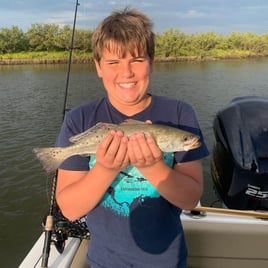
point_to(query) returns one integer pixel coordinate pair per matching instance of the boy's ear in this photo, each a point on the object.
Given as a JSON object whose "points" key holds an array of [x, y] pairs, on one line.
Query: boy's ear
{"points": [[98, 68]]}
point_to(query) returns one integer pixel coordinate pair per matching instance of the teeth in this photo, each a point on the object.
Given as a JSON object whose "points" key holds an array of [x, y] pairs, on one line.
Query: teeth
{"points": [[127, 85]]}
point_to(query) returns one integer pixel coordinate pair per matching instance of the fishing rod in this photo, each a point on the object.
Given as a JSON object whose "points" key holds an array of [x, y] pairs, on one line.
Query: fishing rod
{"points": [[49, 223], [247, 213], [70, 61], [48, 227]]}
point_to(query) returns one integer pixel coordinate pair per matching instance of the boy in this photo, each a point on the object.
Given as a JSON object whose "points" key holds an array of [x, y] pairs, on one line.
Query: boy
{"points": [[131, 192]]}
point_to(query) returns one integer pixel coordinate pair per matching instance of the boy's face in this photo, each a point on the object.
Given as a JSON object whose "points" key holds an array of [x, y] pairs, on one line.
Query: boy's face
{"points": [[126, 80]]}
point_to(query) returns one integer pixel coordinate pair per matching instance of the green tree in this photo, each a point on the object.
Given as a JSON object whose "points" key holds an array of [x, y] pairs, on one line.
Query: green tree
{"points": [[235, 40], [62, 40], [170, 42], [82, 40], [206, 41], [12, 40], [259, 44], [42, 37]]}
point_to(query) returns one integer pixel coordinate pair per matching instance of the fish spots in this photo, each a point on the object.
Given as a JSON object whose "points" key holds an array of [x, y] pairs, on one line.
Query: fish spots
{"points": [[54, 153]]}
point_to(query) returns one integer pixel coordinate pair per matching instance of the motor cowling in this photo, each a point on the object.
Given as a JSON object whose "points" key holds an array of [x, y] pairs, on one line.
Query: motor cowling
{"points": [[239, 162]]}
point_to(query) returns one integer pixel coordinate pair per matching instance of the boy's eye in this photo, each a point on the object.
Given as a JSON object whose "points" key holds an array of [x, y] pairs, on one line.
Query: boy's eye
{"points": [[139, 60], [112, 62]]}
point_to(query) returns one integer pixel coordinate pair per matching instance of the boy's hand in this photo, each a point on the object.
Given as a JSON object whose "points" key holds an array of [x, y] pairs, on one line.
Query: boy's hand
{"points": [[112, 151], [143, 151]]}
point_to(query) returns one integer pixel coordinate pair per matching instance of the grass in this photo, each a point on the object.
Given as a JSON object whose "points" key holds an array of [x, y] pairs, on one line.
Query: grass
{"points": [[80, 56], [43, 55]]}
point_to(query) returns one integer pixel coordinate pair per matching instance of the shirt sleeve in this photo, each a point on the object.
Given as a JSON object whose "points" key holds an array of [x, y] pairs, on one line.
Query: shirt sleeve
{"points": [[71, 126]]}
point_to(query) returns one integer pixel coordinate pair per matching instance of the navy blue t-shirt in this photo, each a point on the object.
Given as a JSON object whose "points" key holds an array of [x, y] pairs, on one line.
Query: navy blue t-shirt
{"points": [[133, 225]]}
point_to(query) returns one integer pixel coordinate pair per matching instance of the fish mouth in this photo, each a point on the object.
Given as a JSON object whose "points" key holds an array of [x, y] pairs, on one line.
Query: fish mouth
{"points": [[192, 145]]}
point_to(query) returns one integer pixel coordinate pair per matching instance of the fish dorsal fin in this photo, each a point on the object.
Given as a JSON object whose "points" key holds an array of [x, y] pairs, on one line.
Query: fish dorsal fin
{"points": [[132, 121], [91, 130]]}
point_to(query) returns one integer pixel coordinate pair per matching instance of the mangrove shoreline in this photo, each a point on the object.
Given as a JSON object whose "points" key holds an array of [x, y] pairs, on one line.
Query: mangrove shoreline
{"points": [[25, 61]]}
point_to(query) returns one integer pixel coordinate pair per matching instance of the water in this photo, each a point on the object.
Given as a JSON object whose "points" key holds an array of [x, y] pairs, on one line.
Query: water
{"points": [[31, 110]]}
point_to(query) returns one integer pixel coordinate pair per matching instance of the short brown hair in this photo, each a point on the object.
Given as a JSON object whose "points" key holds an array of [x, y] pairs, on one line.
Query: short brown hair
{"points": [[124, 31]]}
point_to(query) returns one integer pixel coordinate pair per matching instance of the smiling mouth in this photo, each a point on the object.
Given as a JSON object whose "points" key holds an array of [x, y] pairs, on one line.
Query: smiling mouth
{"points": [[127, 85]]}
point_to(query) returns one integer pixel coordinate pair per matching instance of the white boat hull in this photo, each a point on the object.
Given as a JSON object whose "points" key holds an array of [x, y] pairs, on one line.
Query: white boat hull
{"points": [[213, 241], [73, 255], [220, 241]]}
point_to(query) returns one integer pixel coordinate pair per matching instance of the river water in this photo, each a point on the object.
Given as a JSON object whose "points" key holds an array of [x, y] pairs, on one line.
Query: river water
{"points": [[31, 111]]}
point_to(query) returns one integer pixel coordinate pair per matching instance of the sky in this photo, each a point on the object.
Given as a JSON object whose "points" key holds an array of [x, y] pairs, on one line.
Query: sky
{"points": [[190, 16]]}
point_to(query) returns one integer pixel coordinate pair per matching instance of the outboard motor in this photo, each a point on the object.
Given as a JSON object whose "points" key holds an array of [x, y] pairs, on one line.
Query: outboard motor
{"points": [[239, 162]]}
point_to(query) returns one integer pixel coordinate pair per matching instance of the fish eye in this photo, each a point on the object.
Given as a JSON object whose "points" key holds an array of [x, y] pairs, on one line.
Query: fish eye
{"points": [[185, 138]]}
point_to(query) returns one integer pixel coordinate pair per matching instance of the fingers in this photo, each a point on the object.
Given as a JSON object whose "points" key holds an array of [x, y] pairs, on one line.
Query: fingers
{"points": [[143, 151], [112, 151], [116, 151]]}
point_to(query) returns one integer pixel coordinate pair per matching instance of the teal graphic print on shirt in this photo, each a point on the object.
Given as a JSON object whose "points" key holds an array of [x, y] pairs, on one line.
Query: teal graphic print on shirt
{"points": [[128, 187]]}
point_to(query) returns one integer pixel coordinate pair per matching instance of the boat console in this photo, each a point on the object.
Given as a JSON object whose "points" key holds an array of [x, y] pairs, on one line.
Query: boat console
{"points": [[239, 162]]}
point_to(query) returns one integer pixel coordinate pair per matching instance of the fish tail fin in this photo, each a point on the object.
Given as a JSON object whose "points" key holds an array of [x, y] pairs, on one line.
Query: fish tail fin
{"points": [[50, 158]]}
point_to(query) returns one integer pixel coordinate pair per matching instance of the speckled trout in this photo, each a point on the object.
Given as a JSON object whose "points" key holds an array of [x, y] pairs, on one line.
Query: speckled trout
{"points": [[169, 139]]}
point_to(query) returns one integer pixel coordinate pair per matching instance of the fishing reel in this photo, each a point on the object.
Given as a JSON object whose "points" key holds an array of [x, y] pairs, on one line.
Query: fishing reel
{"points": [[60, 235], [61, 228]]}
